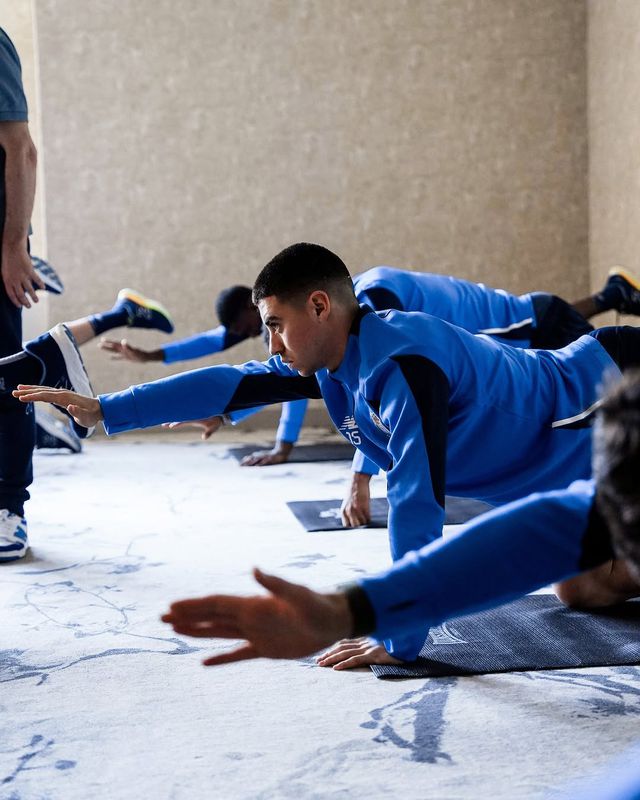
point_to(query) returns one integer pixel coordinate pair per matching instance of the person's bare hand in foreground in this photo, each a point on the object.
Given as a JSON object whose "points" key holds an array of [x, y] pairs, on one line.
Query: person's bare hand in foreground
{"points": [[85, 410], [209, 426], [289, 622], [350, 653]]}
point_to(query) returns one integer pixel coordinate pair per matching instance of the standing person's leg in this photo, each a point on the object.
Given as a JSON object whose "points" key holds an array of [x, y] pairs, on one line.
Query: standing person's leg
{"points": [[17, 437]]}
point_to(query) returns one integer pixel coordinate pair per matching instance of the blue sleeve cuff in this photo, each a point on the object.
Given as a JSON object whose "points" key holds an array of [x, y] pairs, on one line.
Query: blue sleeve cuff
{"points": [[291, 421], [237, 416], [362, 464], [119, 412]]}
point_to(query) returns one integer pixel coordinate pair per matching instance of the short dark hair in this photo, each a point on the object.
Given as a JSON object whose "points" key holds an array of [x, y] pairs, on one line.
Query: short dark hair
{"points": [[617, 465], [301, 269], [231, 303]]}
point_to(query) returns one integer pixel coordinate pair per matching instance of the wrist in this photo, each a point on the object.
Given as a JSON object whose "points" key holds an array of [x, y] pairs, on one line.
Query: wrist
{"points": [[360, 479], [362, 614], [14, 244], [342, 617], [284, 448], [98, 410], [153, 355]]}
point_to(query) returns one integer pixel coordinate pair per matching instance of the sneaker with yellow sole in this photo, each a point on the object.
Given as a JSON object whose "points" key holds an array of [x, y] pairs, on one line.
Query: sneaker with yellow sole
{"points": [[621, 292], [142, 312]]}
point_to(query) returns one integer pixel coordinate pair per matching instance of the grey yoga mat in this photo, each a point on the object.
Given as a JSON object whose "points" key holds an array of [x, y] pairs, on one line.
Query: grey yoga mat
{"points": [[324, 515], [303, 453], [534, 633]]}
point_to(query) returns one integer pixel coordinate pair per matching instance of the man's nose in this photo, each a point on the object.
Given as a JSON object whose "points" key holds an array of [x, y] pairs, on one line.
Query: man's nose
{"points": [[275, 344]]}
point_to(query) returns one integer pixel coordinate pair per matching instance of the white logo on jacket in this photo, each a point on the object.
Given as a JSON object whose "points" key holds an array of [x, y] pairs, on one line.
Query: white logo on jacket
{"points": [[349, 429]]}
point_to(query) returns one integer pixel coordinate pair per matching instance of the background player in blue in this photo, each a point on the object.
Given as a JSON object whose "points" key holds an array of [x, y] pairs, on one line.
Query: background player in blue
{"points": [[17, 288], [537, 319], [586, 536], [432, 404]]}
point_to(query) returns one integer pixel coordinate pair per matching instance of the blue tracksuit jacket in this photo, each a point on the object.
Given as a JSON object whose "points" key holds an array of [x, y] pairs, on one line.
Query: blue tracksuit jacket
{"points": [[495, 558], [473, 306], [433, 405]]}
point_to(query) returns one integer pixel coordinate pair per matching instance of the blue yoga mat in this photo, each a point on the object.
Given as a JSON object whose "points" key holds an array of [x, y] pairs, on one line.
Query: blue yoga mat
{"points": [[324, 515], [534, 633]]}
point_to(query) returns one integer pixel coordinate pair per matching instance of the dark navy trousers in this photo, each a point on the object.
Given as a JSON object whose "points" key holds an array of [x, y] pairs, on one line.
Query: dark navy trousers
{"points": [[17, 424]]}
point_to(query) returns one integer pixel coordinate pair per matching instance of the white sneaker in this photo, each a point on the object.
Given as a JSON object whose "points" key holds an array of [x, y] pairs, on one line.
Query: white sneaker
{"points": [[13, 536]]}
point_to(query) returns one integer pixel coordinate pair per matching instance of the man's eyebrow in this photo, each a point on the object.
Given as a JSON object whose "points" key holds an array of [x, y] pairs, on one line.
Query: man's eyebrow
{"points": [[271, 319]]}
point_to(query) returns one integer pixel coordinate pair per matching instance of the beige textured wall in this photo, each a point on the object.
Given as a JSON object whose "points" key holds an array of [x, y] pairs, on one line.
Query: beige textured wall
{"points": [[17, 19], [188, 142], [614, 136]]}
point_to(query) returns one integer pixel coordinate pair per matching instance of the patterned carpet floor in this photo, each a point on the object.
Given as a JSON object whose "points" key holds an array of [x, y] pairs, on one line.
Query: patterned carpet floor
{"points": [[100, 699]]}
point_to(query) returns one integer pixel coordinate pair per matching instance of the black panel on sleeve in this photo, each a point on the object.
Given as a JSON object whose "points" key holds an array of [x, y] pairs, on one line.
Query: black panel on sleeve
{"points": [[264, 388], [430, 389]]}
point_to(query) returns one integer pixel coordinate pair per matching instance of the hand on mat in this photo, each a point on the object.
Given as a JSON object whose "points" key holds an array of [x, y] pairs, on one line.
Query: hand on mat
{"points": [[123, 351], [356, 507], [85, 410], [209, 426], [18, 276], [289, 622], [350, 653], [265, 458]]}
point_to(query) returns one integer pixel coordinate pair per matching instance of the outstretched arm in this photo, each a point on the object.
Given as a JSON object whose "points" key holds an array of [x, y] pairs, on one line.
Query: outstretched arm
{"points": [[192, 395], [413, 408], [495, 558], [289, 622], [200, 344], [122, 350]]}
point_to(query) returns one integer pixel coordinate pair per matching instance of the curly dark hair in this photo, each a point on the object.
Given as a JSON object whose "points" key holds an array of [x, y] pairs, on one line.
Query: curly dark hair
{"points": [[231, 302], [616, 466]]}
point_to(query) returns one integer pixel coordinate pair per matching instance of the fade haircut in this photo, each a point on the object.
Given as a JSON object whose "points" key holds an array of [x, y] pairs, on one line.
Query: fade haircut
{"points": [[301, 269], [231, 303], [617, 466]]}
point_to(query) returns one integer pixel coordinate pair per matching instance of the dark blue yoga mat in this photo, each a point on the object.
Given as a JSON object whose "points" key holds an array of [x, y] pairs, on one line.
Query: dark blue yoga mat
{"points": [[303, 453], [536, 632], [324, 515]]}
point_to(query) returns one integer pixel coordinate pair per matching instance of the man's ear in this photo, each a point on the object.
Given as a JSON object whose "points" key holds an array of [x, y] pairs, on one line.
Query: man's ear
{"points": [[320, 303]]}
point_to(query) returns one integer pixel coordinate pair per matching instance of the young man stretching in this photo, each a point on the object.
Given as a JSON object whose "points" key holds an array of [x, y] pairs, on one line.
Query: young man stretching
{"points": [[587, 537], [433, 405], [538, 320]]}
